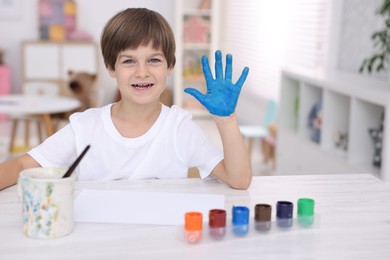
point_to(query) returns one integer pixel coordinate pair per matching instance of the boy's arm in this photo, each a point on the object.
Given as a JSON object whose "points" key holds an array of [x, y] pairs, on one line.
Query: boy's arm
{"points": [[220, 100], [236, 168], [9, 170]]}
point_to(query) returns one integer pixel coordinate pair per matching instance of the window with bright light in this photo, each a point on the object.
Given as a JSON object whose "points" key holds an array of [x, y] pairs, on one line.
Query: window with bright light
{"points": [[266, 35]]}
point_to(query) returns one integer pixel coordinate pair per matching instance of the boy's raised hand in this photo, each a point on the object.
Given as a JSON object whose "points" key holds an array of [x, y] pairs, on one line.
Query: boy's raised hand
{"points": [[222, 95]]}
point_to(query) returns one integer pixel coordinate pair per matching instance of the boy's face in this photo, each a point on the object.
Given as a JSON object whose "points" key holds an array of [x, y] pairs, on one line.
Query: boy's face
{"points": [[141, 74]]}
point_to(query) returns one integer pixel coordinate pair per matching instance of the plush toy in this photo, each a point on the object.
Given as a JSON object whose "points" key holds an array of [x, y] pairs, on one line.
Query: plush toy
{"points": [[315, 121], [377, 137], [340, 139], [83, 86], [268, 145]]}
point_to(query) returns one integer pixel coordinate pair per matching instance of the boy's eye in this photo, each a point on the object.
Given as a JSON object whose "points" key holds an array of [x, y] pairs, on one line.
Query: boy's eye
{"points": [[155, 60], [128, 61]]}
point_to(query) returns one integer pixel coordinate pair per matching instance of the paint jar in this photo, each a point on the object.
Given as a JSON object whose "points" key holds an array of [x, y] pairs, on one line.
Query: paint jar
{"points": [[240, 220], [193, 227], [284, 214], [47, 202], [263, 217], [217, 223], [305, 211]]}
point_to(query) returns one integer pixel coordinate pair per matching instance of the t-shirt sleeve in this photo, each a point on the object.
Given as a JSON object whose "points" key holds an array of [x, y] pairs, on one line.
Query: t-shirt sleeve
{"points": [[58, 150], [195, 148]]}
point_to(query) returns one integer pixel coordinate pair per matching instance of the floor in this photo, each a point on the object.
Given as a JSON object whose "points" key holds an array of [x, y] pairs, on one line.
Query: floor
{"points": [[206, 124]]}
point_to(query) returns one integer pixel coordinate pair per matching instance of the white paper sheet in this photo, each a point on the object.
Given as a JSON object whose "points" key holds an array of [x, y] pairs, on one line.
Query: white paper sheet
{"points": [[160, 208]]}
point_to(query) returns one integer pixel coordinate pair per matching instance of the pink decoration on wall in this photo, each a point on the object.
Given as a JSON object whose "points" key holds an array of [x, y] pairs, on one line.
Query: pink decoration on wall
{"points": [[70, 26], [70, 23], [5, 80], [45, 9], [57, 19], [80, 35], [5, 84], [196, 30], [204, 4]]}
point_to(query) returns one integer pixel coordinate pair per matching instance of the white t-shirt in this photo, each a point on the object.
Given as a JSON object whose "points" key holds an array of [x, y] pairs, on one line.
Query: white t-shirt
{"points": [[172, 145]]}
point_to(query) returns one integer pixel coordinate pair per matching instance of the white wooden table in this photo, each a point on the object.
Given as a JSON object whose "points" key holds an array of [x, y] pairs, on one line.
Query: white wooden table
{"points": [[352, 222], [41, 106]]}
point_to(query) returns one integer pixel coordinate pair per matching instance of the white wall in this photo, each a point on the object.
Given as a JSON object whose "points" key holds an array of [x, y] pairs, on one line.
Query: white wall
{"points": [[352, 24], [351, 38], [357, 23], [92, 16], [13, 31]]}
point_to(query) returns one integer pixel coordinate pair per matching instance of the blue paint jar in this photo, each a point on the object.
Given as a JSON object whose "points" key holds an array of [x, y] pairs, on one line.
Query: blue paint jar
{"points": [[284, 214], [240, 220]]}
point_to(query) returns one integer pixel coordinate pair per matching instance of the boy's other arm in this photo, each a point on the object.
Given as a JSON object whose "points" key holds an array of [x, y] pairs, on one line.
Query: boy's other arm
{"points": [[236, 168], [10, 169], [221, 100]]}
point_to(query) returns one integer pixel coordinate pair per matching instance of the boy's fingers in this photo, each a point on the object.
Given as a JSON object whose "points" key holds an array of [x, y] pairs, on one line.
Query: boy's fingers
{"points": [[228, 69], [206, 70], [195, 93], [242, 78], [218, 65]]}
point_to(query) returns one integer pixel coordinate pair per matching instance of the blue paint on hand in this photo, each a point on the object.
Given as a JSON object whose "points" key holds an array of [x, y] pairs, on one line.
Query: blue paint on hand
{"points": [[222, 95]]}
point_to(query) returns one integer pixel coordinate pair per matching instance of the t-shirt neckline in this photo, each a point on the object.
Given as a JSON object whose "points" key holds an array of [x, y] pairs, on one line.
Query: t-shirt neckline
{"points": [[114, 133]]}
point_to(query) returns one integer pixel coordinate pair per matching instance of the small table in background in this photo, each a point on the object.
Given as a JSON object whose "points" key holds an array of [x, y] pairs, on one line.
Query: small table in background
{"points": [[41, 107]]}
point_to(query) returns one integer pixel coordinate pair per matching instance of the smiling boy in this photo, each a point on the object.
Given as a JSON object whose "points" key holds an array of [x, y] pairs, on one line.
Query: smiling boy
{"points": [[138, 137]]}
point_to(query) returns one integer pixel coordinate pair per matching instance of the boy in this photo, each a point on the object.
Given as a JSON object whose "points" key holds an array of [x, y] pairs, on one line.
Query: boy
{"points": [[138, 137]]}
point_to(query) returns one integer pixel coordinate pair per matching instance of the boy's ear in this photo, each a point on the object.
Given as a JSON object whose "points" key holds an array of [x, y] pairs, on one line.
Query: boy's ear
{"points": [[170, 71], [111, 72]]}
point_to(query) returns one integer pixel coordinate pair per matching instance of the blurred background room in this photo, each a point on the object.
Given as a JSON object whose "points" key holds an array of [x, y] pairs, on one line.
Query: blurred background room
{"points": [[314, 102]]}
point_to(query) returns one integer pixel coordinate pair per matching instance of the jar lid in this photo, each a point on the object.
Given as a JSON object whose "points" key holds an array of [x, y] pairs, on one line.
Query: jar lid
{"points": [[193, 221], [284, 209], [217, 218], [240, 215], [305, 207], [263, 212]]}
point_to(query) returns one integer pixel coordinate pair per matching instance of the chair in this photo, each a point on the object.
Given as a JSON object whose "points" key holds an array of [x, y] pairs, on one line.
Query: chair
{"points": [[251, 132], [31, 88]]}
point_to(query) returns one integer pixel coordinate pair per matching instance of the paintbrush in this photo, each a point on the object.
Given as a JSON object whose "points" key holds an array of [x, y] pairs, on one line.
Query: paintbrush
{"points": [[76, 162]]}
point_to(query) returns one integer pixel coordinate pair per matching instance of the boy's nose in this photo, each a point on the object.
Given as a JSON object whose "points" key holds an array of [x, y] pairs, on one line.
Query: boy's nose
{"points": [[142, 71]]}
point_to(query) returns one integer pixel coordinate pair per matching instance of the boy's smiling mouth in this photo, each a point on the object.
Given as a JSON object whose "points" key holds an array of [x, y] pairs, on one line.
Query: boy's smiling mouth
{"points": [[142, 85]]}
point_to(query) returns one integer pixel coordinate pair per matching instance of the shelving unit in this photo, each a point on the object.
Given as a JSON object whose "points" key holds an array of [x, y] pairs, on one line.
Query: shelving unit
{"points": [[196, 31], [48, 61], [350, 104]]}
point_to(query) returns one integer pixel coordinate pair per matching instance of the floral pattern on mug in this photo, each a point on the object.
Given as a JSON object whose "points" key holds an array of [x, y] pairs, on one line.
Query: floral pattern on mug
{"points": [[39, 212]]}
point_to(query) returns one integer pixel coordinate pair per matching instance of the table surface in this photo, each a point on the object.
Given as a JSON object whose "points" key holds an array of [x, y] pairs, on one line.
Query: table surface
{"points": [[30, 104], [352, 221]]}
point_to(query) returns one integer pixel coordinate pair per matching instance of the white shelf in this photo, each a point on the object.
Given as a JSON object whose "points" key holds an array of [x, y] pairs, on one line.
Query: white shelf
{"points": [[196, 46], [336, 114], [190, 12], [350, 104], [191, 52], [56, 59]]}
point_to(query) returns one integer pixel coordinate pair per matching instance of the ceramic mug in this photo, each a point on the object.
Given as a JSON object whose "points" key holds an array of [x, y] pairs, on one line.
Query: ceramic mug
{"points": [[47, 202]]}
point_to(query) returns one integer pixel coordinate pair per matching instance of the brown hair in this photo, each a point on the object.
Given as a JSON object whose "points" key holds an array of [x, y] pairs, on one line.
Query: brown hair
{"points": [[134, 27]]}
